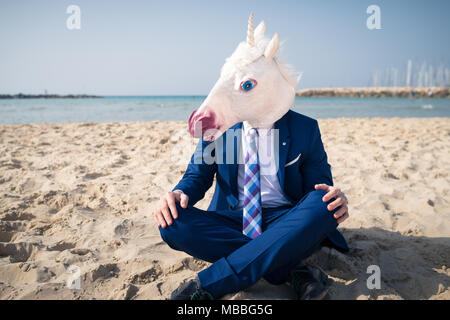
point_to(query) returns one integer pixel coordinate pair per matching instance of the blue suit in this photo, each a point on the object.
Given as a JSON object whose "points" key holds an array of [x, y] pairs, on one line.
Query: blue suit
{"points": [[290, 234]]}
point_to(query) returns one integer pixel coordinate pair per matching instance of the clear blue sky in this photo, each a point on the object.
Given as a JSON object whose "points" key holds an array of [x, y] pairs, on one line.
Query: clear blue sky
{"points": [[177, 47]]}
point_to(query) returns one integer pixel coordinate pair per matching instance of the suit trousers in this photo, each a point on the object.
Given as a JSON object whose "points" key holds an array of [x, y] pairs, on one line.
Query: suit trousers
{"points": [[290, 234]]}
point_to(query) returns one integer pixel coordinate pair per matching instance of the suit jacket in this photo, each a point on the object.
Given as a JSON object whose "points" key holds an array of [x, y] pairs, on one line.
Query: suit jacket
{"points": [[302, 164]]}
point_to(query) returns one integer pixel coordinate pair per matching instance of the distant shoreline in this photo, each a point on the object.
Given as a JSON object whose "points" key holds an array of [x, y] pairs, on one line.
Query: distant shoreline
{"points": [[357, 92], [47, 96], [376, 92]]}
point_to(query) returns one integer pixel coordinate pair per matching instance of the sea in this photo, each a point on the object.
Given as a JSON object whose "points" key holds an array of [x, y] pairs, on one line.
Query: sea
{"points": [[178, 108]]}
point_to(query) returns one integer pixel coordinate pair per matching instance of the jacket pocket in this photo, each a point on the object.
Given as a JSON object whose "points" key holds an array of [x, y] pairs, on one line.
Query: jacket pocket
{"points": [[290, 163]]}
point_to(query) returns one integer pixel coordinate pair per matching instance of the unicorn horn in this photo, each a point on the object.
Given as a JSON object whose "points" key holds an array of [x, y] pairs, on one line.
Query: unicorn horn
{"points": [[250, 32]]}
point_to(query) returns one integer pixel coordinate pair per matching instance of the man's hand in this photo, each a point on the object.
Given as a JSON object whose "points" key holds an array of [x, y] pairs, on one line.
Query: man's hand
{"points": [[166, 208], [341, 201]]}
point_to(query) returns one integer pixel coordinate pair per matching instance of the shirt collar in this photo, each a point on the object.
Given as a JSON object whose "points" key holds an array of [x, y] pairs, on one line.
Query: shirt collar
{"points": [[266, 131]]}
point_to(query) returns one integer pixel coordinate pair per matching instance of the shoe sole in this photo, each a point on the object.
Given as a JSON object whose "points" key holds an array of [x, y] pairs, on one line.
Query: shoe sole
{"points": [[323, 275], [320, 296]]}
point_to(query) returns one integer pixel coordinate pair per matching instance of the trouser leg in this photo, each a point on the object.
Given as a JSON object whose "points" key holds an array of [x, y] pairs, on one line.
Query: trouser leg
{"points": [[291, 239], [205, 235]]}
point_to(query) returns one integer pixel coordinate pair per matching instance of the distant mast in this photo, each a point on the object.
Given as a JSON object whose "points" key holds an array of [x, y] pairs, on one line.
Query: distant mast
{"points": [[408, 73], [419, 75]]}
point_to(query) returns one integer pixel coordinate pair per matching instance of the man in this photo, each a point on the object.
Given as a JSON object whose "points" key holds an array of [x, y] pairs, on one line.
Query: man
{"points": [[267, 214]]}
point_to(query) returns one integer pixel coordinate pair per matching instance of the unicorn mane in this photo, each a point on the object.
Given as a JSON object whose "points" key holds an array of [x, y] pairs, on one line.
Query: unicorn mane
{"points": [[253, 49]]}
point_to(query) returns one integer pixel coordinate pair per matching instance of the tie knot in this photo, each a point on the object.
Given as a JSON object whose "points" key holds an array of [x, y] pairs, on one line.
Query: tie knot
{"points": [[252, 133]]}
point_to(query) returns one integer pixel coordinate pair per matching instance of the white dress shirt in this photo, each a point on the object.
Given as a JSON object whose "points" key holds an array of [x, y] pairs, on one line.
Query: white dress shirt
{"points": [[272, 194]]}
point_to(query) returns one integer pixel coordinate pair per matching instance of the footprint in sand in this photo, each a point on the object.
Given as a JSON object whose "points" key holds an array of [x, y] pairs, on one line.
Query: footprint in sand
{"points": [[146, 276], [6, 236], [103, 271], [55, 200], [15, 215], [17, 252], [93, 176], [61, 246], [10, 229]]}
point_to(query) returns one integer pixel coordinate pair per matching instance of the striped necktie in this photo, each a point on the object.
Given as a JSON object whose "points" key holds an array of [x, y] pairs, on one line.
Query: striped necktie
{"points": [[252, 215]]}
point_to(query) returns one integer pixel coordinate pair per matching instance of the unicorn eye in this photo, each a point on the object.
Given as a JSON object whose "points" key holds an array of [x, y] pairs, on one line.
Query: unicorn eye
{"points": [[248, 85]]}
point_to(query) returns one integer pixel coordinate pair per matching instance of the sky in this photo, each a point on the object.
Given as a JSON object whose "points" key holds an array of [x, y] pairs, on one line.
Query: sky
{"points": [[138, 47]]}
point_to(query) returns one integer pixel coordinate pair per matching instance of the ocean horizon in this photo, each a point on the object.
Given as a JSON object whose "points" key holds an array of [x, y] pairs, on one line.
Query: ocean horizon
{"points": [[179, 107]]}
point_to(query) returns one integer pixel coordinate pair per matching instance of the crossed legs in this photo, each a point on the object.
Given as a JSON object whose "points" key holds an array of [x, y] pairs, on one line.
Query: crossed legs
{"points": [[238, 261]]}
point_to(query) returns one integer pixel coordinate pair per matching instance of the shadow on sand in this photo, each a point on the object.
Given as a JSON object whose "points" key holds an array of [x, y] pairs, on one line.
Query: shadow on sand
{"points": [[412, 267]]}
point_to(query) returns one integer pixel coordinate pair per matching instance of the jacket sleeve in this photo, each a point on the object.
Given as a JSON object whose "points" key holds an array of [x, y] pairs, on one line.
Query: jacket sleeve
{"points": [[316, 169], [200, 172]]}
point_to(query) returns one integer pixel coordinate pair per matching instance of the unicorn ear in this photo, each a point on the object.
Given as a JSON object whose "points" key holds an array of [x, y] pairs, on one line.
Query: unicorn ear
{"points": [[259, 31], [272, 47]]}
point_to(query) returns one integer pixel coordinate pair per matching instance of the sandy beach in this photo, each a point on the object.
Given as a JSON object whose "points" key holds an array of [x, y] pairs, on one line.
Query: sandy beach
{"points": [[82, 194]]}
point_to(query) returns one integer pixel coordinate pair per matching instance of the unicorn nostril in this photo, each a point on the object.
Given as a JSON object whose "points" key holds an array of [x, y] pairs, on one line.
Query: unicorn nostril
{"points": [[200, 122], [191, 119], [191, 122]]}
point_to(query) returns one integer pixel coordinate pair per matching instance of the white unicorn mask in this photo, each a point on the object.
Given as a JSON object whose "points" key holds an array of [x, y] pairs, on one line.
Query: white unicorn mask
{"points": [[254, 86]]}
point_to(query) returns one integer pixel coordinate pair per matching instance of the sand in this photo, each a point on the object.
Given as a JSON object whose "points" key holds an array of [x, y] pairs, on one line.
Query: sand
{"points": [[81, 196]]}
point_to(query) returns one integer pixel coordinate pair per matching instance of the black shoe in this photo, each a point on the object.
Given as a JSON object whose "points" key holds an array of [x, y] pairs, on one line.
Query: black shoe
{"points": [[308, 282], [191, 291]]}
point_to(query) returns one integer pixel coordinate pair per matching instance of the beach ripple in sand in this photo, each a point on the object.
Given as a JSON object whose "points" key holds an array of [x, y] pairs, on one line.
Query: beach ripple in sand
{"points": [[83, 194]]}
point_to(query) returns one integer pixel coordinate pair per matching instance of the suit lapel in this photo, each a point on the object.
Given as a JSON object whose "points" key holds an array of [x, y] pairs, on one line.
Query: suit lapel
{"points": [[283, 146], [233, 167]]}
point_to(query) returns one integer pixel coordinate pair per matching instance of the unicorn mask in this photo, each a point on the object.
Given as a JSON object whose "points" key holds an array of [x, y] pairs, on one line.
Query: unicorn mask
{"points": [[254, 86]]}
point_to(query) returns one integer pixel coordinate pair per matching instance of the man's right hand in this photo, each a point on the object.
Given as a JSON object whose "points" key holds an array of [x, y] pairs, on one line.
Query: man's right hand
{"points": [[166, 208]]}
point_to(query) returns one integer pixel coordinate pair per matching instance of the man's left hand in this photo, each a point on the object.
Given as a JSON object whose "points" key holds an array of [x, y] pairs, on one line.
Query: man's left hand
{"points": [[340, 201]]}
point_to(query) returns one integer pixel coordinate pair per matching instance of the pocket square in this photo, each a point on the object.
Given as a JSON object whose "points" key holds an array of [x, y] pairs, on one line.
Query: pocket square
{"points": [[293, 161]]}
